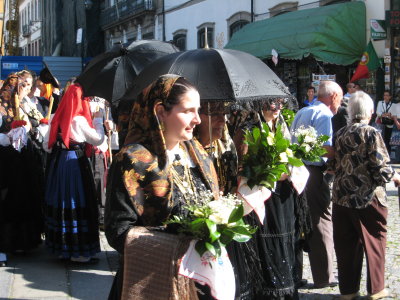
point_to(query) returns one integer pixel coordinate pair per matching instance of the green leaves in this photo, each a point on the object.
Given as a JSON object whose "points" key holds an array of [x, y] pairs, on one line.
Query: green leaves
{"points": [[268, 156], [236, 214], [214, 224], [288, 116]]}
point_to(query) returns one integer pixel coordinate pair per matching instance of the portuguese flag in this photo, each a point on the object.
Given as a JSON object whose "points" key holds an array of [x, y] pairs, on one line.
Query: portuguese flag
{"points": [[369, 62]]}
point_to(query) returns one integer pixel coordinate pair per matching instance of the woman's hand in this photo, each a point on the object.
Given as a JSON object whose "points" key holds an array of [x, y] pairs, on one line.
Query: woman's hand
{"points": [[23, 90], [396, 179], [109, 125], [284, 176], [98, 114]]}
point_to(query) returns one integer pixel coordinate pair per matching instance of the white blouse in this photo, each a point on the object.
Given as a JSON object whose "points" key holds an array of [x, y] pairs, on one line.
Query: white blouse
{"points": [[82, 132]]}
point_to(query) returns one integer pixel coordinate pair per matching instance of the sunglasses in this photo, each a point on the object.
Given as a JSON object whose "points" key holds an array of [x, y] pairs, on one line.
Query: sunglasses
{"points": [[277, 103]]}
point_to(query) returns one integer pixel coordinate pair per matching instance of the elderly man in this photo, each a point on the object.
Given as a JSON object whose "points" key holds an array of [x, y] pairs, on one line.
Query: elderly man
{"points": [[317, 192]]}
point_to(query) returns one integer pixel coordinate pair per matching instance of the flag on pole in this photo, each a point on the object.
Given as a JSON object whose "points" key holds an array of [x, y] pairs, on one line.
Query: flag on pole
{"points": [[274, 56], [369, 62]]}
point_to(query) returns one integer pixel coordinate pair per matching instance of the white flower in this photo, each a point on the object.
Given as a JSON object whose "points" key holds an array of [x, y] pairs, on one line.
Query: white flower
{"points": [[221, 211], [305, 131], [289, 152], [270, 138], [307, 147], [283, 157], [310, 139]]}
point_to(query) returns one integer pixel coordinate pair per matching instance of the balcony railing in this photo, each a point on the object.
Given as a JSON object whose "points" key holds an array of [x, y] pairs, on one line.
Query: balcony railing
{"points": [[26, 30], [124, 9]]}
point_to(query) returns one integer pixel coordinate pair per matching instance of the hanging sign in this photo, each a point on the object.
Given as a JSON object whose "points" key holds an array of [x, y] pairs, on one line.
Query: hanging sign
{"points": [[378, 29]]}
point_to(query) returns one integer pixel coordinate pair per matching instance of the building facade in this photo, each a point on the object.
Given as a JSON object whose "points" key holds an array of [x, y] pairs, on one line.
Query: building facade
{"points": [[392, 57], [128, 20], [30, 24], [185, 23]]}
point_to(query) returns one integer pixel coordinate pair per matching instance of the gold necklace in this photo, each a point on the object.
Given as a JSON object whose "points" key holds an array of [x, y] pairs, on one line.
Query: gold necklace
{"points": [[215, 154], [185, 183]]}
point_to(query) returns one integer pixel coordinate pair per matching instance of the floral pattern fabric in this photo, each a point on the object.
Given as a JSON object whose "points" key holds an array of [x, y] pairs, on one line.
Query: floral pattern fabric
{"points": [[143, 160], [6, 108]]}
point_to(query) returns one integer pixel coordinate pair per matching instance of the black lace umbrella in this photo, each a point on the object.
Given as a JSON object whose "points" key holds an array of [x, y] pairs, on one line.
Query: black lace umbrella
{"points": [[219, 75], [110, 75]]}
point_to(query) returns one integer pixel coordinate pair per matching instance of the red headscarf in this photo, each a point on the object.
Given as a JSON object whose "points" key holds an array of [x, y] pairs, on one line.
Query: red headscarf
{"points": [[72, 105]]}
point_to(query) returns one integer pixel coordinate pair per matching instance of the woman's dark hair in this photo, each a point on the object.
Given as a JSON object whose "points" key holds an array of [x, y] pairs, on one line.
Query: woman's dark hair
{"points": [[180, 87]]}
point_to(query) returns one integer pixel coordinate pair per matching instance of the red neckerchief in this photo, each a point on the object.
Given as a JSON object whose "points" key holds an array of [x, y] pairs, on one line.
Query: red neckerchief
{"points": [[72, 104]]}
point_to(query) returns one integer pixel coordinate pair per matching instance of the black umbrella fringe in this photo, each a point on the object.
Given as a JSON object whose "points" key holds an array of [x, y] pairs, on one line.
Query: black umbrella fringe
{"points": [[258, 104]]}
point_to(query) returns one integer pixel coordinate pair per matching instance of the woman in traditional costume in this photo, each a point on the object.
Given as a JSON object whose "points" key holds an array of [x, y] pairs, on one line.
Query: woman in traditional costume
{"points": [[158, 171], [20, 202], [214, 136], [271, 253], [71, 215]]}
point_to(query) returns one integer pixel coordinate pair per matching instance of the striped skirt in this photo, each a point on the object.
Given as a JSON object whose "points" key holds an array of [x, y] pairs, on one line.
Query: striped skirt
{"points": [[71, 213]]}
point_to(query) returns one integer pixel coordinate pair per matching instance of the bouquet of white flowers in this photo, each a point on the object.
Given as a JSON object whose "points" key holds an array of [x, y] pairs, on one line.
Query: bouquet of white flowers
{"points": [[267, 157], [309, 144], [214, 223]]}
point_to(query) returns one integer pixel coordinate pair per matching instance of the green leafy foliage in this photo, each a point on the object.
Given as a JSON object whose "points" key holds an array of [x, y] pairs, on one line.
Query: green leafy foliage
{"points": [[288, 116], [268, 156], [214, 224]]}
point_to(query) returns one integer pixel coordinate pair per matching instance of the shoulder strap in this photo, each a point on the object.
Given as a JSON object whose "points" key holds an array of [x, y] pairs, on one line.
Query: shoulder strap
{"points": [[387, 106]]}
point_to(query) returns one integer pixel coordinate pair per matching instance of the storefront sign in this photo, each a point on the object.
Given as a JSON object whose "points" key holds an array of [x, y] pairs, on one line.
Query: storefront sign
{"points": [[387, 78], [378, 29], [318, 77], [387, 59], [393, 18]]}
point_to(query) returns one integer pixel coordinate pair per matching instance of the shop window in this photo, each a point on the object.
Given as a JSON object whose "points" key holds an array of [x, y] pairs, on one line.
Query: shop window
{"points": [[201, 41]]}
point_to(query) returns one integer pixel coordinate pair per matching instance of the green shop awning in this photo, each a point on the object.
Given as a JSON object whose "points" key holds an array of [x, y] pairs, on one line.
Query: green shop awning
{"points": [[333, 34]]}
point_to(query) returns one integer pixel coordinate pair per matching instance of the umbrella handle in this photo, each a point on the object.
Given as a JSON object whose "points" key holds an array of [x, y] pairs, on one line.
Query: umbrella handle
{"points": [[16, 103], [109, 133], [50, 107]]}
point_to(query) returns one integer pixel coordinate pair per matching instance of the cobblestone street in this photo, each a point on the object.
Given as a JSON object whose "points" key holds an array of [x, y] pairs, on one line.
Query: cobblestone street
{"points": [[392, 257]]}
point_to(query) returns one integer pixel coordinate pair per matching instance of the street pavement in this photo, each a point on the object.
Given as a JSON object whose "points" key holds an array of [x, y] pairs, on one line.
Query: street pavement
{"points": [[39, 275]]}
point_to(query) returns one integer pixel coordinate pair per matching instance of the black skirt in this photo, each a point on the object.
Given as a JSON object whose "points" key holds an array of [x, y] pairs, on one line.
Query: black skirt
{"points": [[21, 199], [271, 251]]}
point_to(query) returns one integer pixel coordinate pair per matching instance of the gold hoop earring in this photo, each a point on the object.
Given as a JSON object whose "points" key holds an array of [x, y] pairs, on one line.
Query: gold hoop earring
{"points": [[162, 127]]}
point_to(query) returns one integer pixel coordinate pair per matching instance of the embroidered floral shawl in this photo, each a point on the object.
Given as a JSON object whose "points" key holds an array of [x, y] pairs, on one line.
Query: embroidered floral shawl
{"points": [[143, 161]]}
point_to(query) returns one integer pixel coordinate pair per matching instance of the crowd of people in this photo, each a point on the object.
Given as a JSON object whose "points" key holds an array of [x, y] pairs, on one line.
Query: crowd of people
{"points": [[56, 144]]}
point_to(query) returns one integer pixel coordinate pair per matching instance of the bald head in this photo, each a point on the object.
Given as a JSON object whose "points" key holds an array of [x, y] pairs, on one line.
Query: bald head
{"points": [[331, 94]]}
